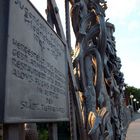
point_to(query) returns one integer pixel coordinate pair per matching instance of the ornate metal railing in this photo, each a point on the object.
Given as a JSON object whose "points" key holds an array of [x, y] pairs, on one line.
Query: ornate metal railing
{"points": [[97, 110], [97, 71]]}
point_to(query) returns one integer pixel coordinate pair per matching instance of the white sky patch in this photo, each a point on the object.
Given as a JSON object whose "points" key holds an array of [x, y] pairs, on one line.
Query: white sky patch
{"points": [[139, 13], [120, 9], [134, 26], [132, 70], [129, 50]]}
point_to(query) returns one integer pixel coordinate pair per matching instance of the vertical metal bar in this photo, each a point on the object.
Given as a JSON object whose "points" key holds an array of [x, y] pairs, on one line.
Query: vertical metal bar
{"points": [[49, 14], [1, 131], [73, 127], [53, 134], [4, 17], [13, 132], [68, 36]]}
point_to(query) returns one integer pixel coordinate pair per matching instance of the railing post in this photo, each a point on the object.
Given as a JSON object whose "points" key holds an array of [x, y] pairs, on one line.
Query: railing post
{"points": [[13, 132], [53, 135]]}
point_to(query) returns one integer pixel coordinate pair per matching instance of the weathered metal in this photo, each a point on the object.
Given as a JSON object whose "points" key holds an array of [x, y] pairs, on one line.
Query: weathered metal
{"points": [[97, 70], [95, 82], [73, 97], [35, 68]]}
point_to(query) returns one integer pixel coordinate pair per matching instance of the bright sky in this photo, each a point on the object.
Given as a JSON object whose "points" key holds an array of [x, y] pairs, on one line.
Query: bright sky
{"points": [[125, 14]]}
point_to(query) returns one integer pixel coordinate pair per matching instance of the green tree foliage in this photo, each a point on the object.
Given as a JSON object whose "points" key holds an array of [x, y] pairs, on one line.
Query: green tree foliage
{"points": [[42, 131], [130, 90], [43, 134]]}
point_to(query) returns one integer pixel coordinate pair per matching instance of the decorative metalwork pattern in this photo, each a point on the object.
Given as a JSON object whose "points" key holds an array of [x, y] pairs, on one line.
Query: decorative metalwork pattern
{"points": [[97, 71]]}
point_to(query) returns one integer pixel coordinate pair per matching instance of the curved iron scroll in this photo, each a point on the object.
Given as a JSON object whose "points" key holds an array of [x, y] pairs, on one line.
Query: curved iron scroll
{"points": [[97, 71]]}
